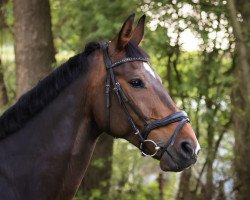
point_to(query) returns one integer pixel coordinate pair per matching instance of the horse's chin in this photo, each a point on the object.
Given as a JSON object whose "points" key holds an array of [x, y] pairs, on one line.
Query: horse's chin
{"points": [[167, 163]]}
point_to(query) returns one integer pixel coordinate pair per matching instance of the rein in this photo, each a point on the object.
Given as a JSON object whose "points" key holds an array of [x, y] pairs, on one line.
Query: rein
{"points": [[180, 116]]}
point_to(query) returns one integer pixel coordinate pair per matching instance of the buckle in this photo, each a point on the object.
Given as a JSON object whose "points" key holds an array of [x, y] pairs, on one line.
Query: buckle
{"points": [[107, 88], [117, 86]]}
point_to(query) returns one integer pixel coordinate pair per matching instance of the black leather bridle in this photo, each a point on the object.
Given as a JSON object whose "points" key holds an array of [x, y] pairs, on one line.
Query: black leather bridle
{"points": [[180, 116]]}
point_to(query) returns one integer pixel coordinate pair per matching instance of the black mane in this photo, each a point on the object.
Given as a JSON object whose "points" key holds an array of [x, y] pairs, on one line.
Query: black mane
{"points": [[50, 87], [44, 92]]}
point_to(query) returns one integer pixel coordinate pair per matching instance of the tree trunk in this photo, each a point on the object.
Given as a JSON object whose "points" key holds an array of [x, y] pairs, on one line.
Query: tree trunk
{"points": [[98, 174], [34, 49], [161, 184], [241, 99], [209, 187], [184, 192], [221, 192]]}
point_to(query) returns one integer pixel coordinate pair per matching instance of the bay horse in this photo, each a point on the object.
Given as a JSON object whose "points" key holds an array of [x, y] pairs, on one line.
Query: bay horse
{"points": [[48, 136]]}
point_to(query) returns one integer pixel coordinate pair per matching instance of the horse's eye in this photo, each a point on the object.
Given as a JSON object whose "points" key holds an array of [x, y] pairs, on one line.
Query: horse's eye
{"points": [[136, 83]]}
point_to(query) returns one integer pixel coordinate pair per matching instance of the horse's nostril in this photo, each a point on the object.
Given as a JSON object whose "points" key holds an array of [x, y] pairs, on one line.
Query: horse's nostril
{"points": [[187, 149]]}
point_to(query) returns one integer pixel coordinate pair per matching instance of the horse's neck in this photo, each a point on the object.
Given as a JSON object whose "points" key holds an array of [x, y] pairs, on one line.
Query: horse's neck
{"points": [[54, 148]]}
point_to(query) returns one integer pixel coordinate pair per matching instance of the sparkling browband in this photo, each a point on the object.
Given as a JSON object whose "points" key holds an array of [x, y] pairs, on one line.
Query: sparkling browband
{"points": [[127, 60]]}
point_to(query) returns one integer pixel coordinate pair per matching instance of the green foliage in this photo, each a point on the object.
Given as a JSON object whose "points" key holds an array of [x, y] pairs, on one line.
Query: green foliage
{"points": [[8, 69], [7, 50], [6, 24], [134, 177], [76, 23], [199, 81]]}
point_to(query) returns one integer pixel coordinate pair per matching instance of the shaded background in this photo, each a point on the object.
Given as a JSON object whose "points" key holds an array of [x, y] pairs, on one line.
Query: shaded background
{"points": [[200, 48]]}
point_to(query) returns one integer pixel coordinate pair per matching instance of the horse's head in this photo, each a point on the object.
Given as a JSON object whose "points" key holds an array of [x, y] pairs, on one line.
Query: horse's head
{"points": [[134, 104]]}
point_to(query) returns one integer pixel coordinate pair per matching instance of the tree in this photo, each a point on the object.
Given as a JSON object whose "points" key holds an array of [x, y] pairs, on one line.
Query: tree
{"points": [[241, 95], [34, 49]]}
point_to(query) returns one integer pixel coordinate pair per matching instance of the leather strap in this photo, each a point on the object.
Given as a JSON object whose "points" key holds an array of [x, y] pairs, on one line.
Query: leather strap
{"points": [[175, 117]]}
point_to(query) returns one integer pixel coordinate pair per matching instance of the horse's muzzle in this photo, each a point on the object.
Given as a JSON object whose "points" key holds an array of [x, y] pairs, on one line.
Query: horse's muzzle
{"points": [[177, 159]]}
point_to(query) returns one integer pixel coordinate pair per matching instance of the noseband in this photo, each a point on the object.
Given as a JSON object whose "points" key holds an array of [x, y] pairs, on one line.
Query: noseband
{"points": [[180, 116]]}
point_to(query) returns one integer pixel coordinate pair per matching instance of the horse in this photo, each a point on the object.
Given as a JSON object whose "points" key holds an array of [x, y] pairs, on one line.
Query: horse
{"points": [[48, 135]]}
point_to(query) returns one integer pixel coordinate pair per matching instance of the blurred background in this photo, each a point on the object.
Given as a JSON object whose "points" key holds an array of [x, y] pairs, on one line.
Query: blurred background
{"points": [[200, 48]]}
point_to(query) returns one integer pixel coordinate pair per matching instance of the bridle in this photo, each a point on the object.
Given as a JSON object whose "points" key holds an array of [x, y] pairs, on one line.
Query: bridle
{"points": [[180, 116]]}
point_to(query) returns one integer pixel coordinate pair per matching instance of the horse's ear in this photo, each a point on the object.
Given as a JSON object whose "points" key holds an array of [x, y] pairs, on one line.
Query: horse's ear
{"points": [[139, 31], [120, 41]]}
